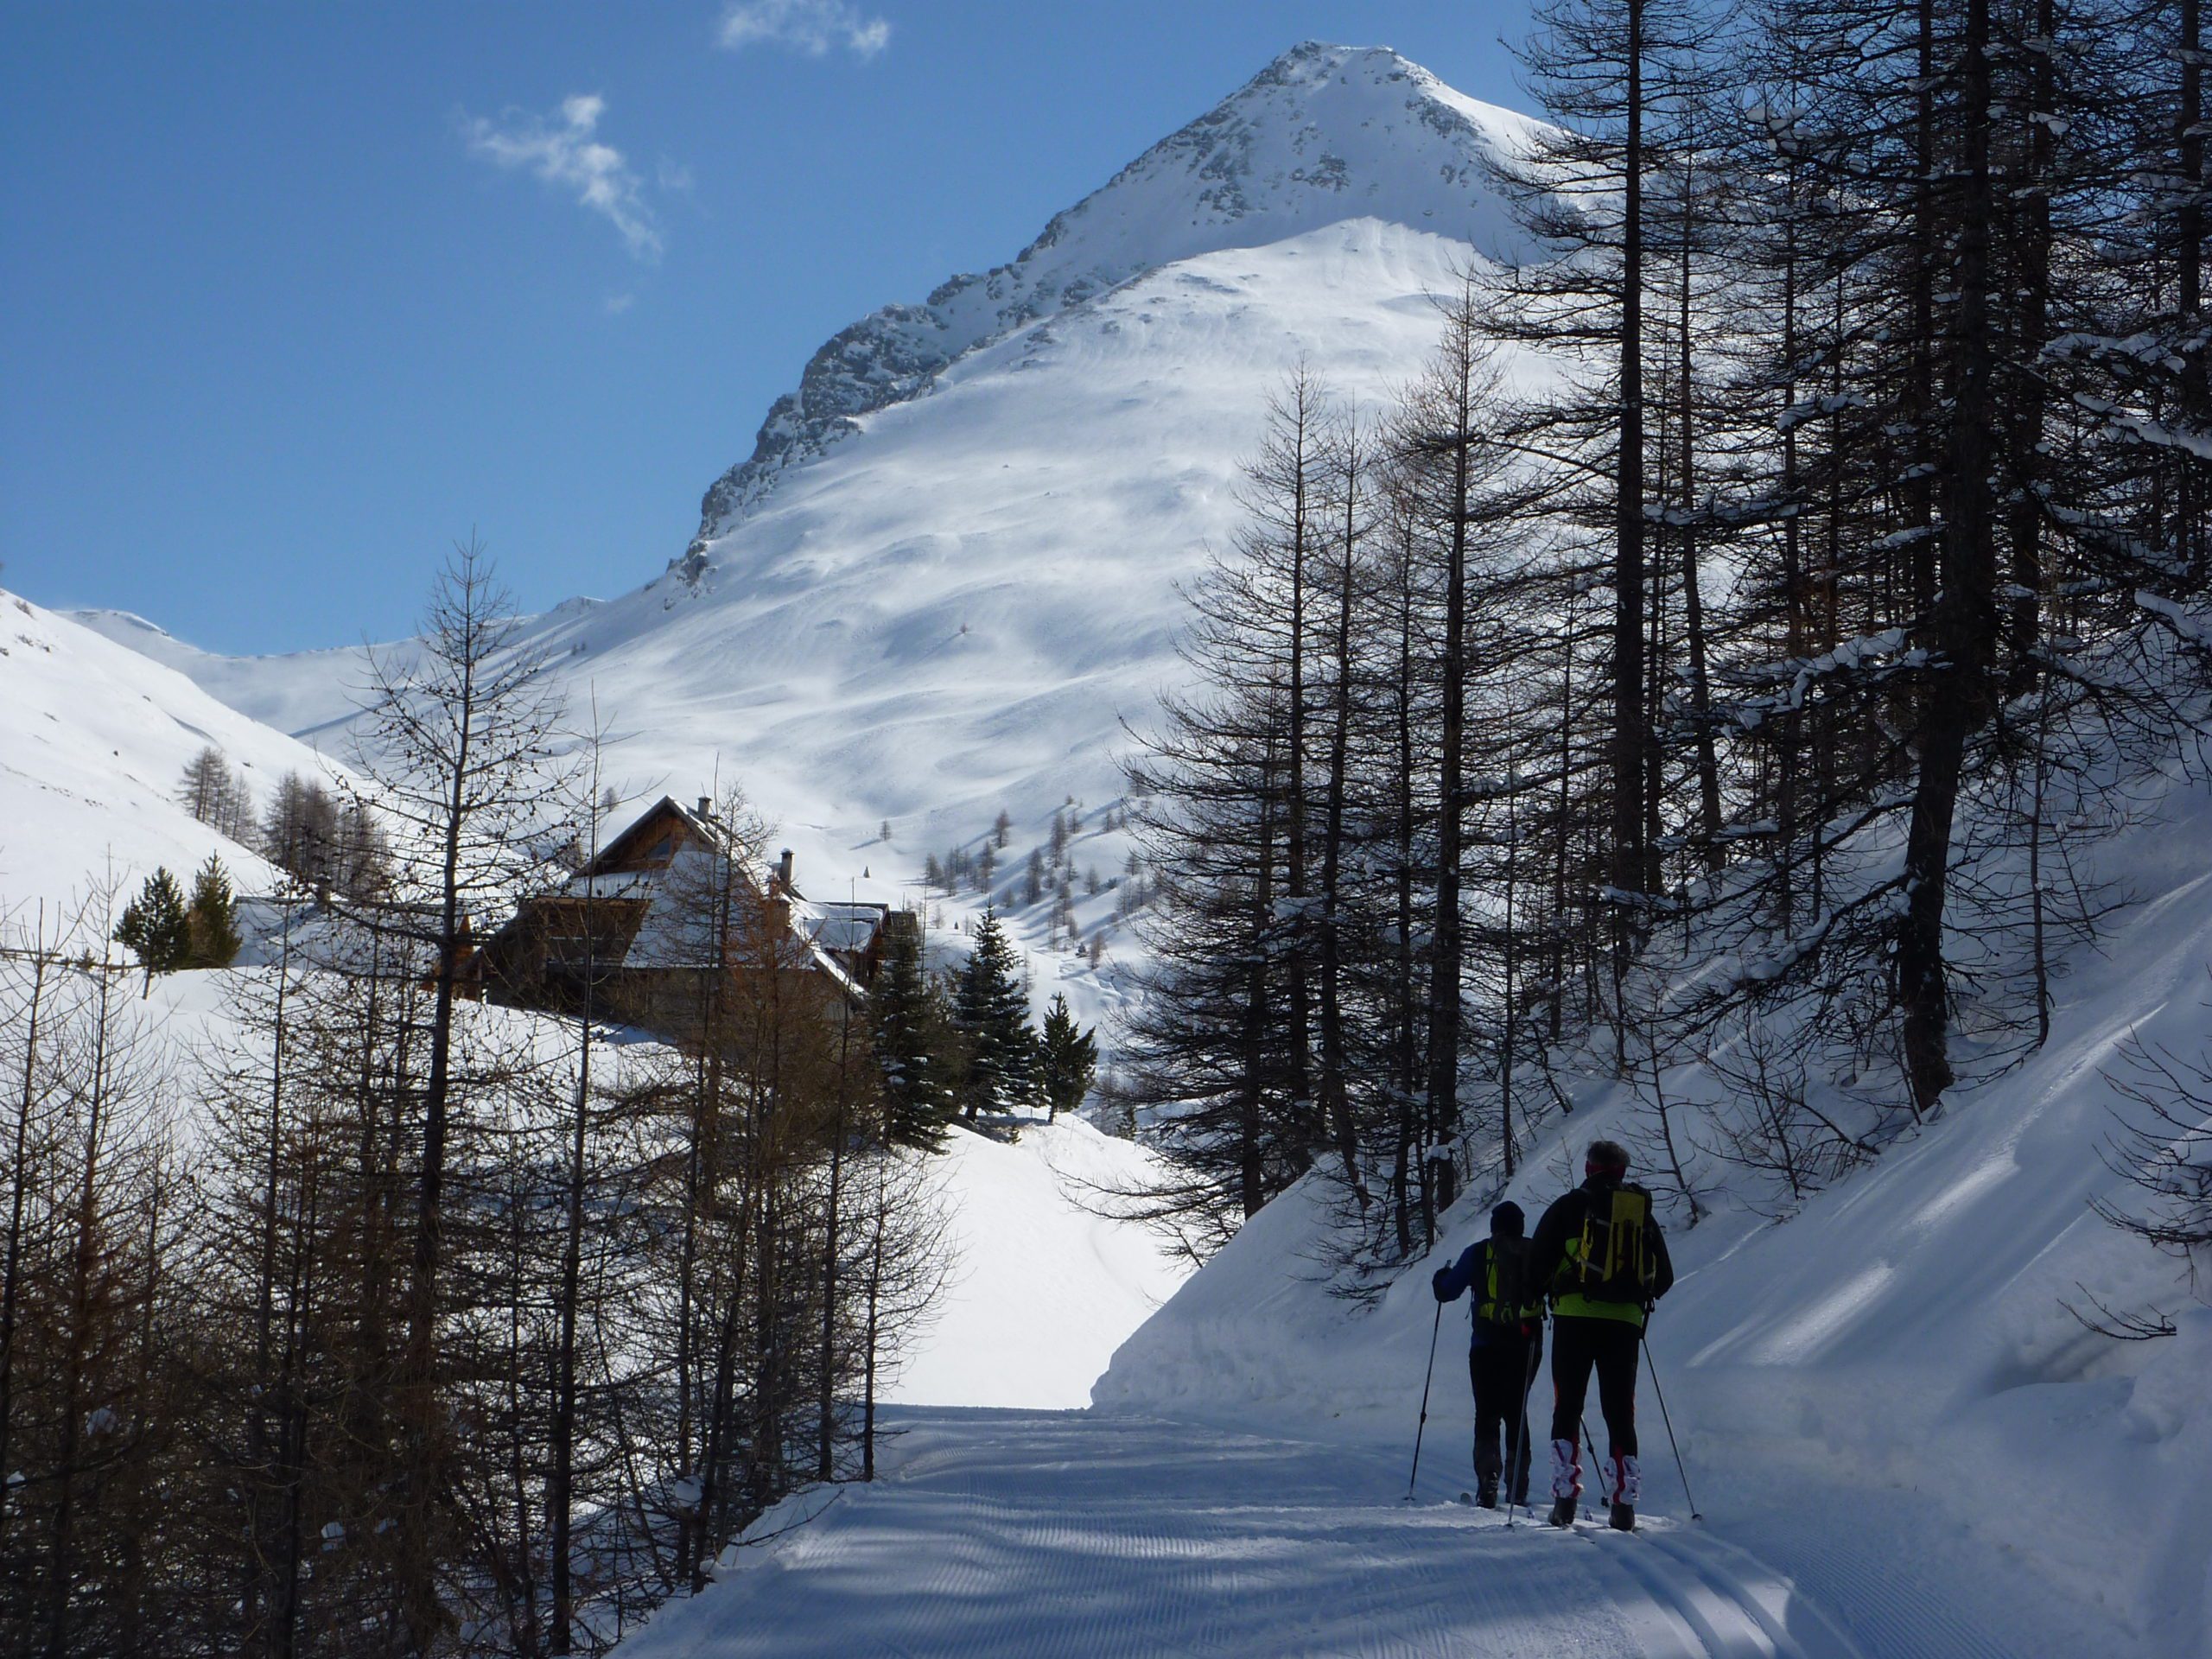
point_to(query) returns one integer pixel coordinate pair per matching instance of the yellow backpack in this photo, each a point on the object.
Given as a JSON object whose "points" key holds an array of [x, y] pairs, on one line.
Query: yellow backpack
{"points": [[1613, 1265]]}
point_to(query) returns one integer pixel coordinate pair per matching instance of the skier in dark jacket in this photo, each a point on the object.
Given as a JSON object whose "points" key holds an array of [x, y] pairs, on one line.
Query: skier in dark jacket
{"points": [[1599, 1255], [1507, 1338]]}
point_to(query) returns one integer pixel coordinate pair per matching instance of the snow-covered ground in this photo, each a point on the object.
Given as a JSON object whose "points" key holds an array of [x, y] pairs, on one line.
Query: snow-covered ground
{"points": [[1021, 1535], [1042, 1290]]}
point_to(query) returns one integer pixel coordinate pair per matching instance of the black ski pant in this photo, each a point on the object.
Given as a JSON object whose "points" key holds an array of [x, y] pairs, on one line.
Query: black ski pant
{"points": [[1501, 1373], [1579, 1345]]}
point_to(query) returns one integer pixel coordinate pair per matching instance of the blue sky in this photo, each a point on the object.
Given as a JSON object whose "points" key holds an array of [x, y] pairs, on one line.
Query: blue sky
{"points": [[291, 297]]}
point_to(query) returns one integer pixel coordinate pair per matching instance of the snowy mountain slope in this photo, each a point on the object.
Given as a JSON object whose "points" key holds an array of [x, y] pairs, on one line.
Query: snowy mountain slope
{"points": [[957, 611], [303, 692], [1882, 1390], [956, 608], [1323, 134], [92, 739]]}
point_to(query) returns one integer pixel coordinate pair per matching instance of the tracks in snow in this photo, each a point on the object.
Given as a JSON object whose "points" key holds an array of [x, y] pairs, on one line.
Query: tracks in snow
{"points": [[1024, 1534]]}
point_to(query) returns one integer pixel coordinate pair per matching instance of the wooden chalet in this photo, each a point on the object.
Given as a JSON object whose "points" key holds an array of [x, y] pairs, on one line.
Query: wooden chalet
{"points": [[644, 930]]}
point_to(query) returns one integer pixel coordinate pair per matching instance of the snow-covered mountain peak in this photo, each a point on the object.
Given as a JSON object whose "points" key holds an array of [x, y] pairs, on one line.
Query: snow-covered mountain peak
{"points": [[1323, 134]]}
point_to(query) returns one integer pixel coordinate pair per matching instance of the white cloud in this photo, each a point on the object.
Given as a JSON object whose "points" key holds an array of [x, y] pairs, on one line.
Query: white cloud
{"points": [[564, 152], [809, 26], [618, 303]]}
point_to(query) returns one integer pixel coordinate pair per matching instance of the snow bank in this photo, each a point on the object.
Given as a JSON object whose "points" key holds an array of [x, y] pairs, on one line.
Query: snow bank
{"points": [[1043, 1291]]}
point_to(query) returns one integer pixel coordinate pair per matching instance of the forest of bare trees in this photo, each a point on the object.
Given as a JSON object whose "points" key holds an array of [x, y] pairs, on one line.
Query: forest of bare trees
{"points": [[1723, 649], [370, 1319]]}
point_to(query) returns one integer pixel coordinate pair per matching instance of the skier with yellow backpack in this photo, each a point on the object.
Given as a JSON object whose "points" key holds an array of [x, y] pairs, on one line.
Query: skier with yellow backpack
{"points": [[1509, 1336], [1599, 1254]]}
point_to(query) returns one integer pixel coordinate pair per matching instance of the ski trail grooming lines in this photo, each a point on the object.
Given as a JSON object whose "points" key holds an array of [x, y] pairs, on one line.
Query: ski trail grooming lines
{"points": [[1428, 1377]]}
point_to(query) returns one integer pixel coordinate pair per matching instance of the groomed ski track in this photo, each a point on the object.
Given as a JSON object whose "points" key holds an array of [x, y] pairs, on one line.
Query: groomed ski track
{"points": [[1010, 1535]]}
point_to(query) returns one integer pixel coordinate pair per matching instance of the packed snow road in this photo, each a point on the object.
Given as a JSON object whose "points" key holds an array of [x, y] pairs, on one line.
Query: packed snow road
{"points": [[1011, 1534]]}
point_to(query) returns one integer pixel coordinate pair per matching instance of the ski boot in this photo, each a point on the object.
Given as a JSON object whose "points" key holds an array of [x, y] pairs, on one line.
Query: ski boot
{"points": [[1562, 1512], [1628, 1487], [1486, 1494]]}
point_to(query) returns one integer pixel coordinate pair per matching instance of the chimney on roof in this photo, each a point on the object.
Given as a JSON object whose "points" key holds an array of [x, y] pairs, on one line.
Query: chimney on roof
{"points": [[706, 806], [783, 869]]}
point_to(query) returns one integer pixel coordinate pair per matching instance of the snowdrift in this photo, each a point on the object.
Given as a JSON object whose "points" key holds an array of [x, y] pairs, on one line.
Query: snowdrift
{"points": [[1884, 1394]]}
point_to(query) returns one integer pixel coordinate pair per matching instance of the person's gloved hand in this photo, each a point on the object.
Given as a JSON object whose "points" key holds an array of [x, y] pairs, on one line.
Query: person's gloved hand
{"points": [[1529, 1328], [1436, 1284]]}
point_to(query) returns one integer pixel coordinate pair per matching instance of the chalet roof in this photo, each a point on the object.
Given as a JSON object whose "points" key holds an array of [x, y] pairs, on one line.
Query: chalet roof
{"points": [[663, 939]]}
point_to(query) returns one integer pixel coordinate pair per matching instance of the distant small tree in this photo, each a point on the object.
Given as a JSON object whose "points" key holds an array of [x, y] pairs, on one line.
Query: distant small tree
{"points": [[1001, 830], [300, 831], [914, 1046], [1063, 909], [933, 872], [360, 864], [211, 919], [1033, 885], [1059, 839], [883, 831], [199, 791], [1067, 1060], [986, 862], [216, 795], [234, 813], [992, 1012], [154, 927]]}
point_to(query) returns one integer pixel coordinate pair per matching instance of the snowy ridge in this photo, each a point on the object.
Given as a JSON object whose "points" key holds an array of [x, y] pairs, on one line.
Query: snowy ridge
{"points": [[1324, 133], [304, 692]]}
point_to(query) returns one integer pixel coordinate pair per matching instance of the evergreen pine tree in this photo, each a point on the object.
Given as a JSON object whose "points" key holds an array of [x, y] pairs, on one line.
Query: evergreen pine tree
{"points": [[992, 1013], [1032, 884], [1001, 830], [1067, 1060], [910, 1023], [153, 927], [211, 920]]}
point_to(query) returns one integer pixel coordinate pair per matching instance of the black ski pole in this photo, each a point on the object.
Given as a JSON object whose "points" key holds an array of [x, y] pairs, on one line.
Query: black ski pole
{"points": [[1596, 1467], [1428, 1377], [1513, 1470], [1661, 1395]]}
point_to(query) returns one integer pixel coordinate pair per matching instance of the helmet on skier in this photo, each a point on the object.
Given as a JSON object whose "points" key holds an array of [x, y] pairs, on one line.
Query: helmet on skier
{"points": [[1507, 1221]]}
